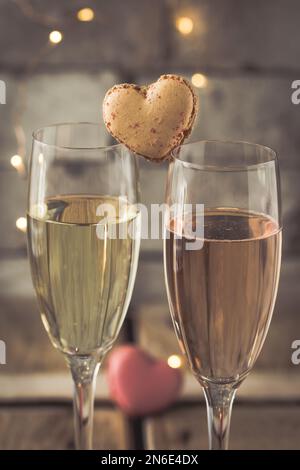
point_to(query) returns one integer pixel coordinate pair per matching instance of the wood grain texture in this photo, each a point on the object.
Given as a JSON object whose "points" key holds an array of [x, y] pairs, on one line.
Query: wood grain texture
{"points": [[55, 387], [260, 386], [253, 427], [49, 428]]}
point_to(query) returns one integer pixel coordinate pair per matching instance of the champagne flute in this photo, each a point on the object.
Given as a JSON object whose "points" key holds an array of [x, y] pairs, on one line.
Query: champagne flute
{"points": [[222, 255], [83, 243]]}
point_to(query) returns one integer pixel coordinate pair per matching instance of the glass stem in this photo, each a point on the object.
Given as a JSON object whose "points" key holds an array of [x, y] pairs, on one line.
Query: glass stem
{"points": [[219, 400], [84, 372]]}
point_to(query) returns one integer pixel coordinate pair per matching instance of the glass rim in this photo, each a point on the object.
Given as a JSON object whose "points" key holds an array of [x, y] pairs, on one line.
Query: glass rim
{"points": [[66, 147], [239, 167]]}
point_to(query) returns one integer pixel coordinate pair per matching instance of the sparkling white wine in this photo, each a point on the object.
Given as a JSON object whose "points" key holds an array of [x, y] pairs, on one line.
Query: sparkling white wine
{"points": [[83, 268], [222, 295]]}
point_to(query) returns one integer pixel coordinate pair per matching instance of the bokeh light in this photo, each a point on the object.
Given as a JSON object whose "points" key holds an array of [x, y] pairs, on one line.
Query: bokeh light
{"points": [[85, 14], [185, 25], [16, 161], [174, 361], [21, 224], [55, 37], [199, 80]]}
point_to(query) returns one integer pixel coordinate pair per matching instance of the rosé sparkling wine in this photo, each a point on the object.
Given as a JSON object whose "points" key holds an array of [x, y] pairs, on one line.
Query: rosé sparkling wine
{"points": [[222, 295]]}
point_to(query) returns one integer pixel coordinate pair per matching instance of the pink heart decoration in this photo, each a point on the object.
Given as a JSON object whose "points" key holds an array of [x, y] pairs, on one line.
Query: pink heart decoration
{"points": [[139, 383]]}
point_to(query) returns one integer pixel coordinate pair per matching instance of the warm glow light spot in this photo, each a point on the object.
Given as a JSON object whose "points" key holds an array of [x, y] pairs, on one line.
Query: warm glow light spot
{"points": [[41, 158], [21, 224], [85, 14], [185, 25], [174, 361], [199, 80], [16, 161], [55, 37]]}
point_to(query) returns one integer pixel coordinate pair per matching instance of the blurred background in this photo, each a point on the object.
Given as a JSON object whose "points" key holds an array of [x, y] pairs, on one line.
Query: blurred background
{"points": [[57, 59]]}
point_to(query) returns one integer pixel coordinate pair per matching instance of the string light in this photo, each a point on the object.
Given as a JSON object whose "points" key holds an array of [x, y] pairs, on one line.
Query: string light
{"points": [[21, 224], [17, 162], [199, 80], [55, 37], [30, 12], [85, 14], [174, 361], [184, 25]]}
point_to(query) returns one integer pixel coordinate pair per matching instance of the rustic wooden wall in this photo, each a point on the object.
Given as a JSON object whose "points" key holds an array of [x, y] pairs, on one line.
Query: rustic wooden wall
{"points": [[249, 52]]}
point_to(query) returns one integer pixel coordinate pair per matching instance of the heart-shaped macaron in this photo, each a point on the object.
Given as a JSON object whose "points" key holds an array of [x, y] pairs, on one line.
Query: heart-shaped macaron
{"points": [[140, 384], [151, 120]]}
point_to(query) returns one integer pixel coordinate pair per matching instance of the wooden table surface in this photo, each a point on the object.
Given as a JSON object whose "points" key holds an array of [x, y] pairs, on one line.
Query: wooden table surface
{"points": [[36, 389]]}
